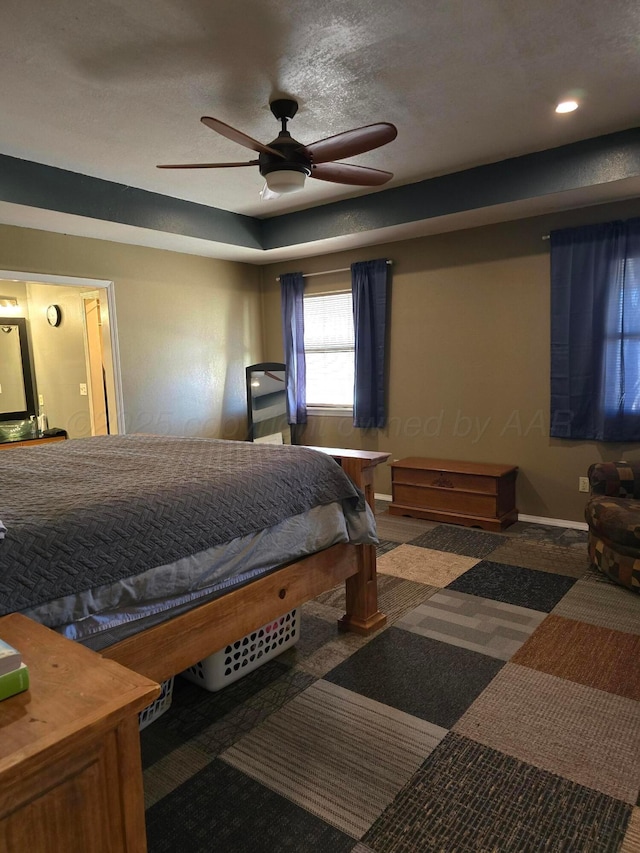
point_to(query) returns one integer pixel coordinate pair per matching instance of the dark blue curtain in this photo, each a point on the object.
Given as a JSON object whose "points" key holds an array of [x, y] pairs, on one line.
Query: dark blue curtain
{"points": [[369, 287], [595, 332], [292, 294]]}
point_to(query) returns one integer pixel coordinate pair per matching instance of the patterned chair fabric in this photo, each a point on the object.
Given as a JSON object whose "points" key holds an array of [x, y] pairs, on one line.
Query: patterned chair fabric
{"points": [[613, 517], [615, 479]]}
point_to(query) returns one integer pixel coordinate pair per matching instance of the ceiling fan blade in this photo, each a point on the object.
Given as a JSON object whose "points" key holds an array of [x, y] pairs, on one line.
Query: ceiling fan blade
{"points": [[206, 165], [351, 142], [347, 173], [238, 136]]}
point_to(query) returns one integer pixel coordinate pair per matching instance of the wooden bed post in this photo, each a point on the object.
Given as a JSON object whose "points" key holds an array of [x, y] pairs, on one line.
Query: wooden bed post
{"points": [[362, 614]]}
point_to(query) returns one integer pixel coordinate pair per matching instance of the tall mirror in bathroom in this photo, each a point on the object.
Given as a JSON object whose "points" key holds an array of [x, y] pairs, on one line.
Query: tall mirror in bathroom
{"points": [[17, 399], [267, 403]]}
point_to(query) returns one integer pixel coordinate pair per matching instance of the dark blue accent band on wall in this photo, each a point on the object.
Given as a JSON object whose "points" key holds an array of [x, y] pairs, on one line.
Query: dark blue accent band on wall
{"points": [[569, 167], [49, 188], [581, 165]]}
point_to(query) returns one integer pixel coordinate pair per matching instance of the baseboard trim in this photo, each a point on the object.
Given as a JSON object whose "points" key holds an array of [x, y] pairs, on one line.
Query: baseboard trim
{"points": [[532, 519], [553, 522]]}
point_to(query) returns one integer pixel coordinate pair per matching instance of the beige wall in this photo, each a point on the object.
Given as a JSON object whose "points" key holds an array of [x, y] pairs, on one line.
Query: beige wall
{"points": [[187, 326], [58, 358], [469, 356], [17, 289], [469, 345]]}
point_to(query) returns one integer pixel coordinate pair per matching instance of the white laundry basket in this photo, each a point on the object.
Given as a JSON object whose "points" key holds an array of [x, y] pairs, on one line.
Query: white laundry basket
{"points": [[246, 654], [157, 708]]}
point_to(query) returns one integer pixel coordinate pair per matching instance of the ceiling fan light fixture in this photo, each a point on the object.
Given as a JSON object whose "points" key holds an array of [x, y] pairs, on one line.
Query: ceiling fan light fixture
{"points": [[285, 181]]}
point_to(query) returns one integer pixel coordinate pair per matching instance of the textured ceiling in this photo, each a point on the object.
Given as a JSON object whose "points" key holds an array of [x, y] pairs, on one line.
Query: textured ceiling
{"points": [[110, 89]]}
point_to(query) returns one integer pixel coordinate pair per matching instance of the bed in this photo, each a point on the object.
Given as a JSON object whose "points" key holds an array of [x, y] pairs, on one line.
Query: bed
{"points": [[158, 551]]}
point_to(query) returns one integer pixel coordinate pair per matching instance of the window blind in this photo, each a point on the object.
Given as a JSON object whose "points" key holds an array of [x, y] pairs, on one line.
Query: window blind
{"points": [[328, 323], [329, 347]]}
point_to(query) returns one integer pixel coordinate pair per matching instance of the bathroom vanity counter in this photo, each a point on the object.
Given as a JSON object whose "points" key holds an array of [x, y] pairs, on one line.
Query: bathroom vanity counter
{"points": [[28, 442]]}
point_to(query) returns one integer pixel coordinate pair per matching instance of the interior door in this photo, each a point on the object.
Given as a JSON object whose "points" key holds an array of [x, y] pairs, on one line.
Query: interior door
{"points": [[95, 368]]}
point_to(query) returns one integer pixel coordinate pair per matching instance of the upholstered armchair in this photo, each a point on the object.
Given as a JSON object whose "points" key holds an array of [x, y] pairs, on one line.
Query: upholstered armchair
{"points": [[613, 517]]}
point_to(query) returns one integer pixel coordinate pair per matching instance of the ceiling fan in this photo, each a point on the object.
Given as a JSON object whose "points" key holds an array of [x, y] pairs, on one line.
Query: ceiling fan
{"points": [[285, 163]]}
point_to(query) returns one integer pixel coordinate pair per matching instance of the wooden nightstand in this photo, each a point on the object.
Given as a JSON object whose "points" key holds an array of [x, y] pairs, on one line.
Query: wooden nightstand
{"points": [[70, 771]]}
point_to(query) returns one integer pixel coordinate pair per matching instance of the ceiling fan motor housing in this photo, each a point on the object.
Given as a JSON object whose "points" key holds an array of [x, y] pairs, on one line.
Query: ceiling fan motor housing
{"points": [[295, 160]]}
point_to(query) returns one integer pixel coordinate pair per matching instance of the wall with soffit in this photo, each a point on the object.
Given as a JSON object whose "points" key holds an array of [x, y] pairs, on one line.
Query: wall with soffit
{"points": [[187, 326], [468, 361]]}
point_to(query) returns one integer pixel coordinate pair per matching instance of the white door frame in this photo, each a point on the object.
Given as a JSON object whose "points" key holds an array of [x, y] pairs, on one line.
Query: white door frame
{"points": [[104, 284]]}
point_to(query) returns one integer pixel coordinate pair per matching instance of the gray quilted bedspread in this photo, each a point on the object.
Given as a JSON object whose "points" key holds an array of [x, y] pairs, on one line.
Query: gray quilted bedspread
{"points": [[86, 512]]}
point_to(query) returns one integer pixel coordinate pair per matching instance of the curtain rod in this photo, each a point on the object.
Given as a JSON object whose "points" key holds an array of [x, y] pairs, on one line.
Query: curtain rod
{"points": [[326, 272]]}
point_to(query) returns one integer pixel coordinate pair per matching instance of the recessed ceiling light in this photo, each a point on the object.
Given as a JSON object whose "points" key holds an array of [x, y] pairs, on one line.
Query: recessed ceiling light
{"points": [[567, 107]]}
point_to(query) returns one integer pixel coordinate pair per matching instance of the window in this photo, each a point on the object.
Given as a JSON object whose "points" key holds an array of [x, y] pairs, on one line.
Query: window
{"points": [[621, 363], [595, 332], [329, 349]]}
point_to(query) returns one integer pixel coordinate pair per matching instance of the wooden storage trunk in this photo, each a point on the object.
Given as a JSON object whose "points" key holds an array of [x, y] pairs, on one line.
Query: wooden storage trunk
{"points": [[471, 493]]}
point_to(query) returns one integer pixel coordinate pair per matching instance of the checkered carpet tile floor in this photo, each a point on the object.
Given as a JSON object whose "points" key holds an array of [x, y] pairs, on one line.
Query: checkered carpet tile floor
{"points": [[498, 711]]}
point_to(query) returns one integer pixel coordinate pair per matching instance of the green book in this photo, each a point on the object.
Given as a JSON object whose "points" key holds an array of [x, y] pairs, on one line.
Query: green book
{"points": [[10, 658], [14, 682]]}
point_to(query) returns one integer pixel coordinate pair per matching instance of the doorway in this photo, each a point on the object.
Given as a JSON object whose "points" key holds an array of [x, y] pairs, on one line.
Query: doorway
{"points": [[96, 373], [76, 360]]}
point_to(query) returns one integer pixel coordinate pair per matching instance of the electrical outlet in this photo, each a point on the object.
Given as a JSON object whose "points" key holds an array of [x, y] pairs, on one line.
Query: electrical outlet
{"points": [[583, 484], [40, 400], [83, 389]]}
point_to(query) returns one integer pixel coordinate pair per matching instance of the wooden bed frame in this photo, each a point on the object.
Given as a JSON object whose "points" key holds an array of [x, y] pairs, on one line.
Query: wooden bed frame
{"points": [[163, 650], [71, 744]]}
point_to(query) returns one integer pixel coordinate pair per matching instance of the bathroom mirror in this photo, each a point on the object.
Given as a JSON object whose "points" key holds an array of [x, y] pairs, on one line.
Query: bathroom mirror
{"points": [[17, 399], [267, 403]]}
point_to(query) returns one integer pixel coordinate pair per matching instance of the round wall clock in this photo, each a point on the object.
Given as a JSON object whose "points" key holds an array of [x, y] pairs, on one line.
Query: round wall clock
{"points": [[54, 315]]}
